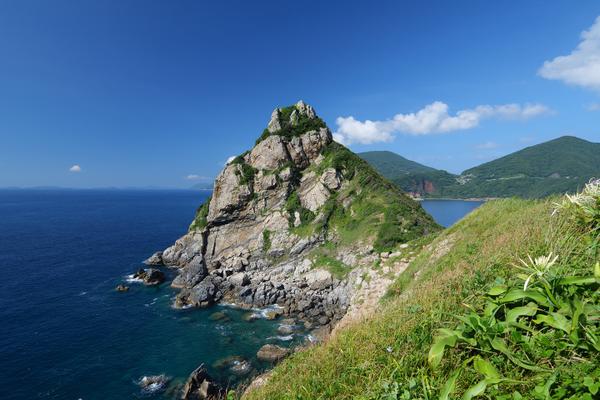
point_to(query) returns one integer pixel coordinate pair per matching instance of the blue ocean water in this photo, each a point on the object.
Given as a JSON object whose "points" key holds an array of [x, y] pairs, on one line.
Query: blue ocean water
{"points": [[65, 333], [448, 212]]}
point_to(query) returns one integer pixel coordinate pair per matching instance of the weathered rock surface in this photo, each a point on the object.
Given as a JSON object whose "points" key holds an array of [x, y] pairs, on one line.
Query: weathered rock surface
{"points": [[249, 248], [150, 276], [200, 386], [272, 353]]}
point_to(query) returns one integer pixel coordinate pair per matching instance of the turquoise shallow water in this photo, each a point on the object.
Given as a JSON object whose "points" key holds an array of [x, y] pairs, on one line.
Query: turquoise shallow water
{"points": [[67, 334]]}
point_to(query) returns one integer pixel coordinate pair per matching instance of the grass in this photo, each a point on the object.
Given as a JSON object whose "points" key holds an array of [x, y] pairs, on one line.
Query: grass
{"points": [[386, 355], [200, 219], [324, 257]]}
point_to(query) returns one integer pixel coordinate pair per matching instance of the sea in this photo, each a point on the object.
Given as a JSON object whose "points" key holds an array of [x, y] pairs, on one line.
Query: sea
{"points": [[66, 333]]}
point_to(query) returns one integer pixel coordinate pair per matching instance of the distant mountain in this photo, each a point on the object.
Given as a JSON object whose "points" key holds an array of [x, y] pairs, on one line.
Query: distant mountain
{"points": [[390, 164], [557, 166], [412, 177]]}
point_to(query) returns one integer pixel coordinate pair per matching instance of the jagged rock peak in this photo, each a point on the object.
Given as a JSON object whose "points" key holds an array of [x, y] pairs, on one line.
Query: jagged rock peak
{"points": [[280, 117]]}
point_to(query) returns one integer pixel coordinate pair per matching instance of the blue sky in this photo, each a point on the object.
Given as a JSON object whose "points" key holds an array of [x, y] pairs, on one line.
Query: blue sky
{"points": [[140, 93]]}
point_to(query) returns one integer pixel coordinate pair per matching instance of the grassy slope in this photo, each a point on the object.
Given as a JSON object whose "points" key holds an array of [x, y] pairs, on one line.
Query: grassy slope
{"points": [[356, 364]]}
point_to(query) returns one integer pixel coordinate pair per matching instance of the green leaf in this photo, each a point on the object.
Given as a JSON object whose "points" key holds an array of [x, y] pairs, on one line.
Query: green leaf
{"points": [[485, 368], [449, 386], [475, 390], [499, 345], [497, 290], [443, 338], [519, 294], [597, 272], [577, 280], [514, 313], [554, 320], [592, 385], [577, 312]]}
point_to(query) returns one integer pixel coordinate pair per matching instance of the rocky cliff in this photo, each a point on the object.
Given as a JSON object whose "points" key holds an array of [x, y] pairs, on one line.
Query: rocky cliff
{"points": [[293, 222]]}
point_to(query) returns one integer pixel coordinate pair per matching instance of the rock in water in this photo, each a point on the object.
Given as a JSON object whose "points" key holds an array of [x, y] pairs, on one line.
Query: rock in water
{"points": [[272, 353], [150, 276], [122, 288], [154, 259], [296, 191], [153, 384], [200, 386]]}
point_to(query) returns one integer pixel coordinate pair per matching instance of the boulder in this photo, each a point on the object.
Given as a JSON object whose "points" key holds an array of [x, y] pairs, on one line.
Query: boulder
{"points": [[154, 259], [331, 179], [150, 276], [122, 288], [191, 274], [200, 386], [239, 279], [203, 294], [319, 279], [272, 353]]}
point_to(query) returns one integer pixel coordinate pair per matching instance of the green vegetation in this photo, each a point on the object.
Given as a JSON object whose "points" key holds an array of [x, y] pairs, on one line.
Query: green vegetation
{"points": [[266, 240], [465, 293], [246, 172], [391, 165], [288, 129], [199, 221], [294, 206], [378, 209], [337, 268], [562, 165]]}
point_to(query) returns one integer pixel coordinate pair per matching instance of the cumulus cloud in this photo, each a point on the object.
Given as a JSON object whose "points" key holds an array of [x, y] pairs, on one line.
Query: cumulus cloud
{"points": [[433, 118], [75, 168], [582, 66], [487, 146]]}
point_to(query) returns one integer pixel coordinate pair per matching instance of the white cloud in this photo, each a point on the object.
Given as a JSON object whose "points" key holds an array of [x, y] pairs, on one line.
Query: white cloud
{"points": [[582, 66], [487, 146], [230, 159], [195, 177], [75, 168], [593, 107], [433, 118]]}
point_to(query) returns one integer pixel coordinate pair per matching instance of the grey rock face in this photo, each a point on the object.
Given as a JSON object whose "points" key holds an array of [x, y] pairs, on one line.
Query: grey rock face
{"points": [[248, 253], [270, 153], [191, 274], [274, 124]]}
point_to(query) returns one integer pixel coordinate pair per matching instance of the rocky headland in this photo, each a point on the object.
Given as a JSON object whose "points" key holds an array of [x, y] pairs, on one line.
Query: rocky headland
{"points": [[297, 222]]}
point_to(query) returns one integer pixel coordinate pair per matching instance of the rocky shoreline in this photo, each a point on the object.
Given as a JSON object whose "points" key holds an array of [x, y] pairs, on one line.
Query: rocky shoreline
{"points": [[264, 237]]}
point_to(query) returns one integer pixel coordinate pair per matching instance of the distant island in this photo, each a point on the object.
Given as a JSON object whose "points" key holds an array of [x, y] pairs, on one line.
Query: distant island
{"points": [[562, 165]]}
